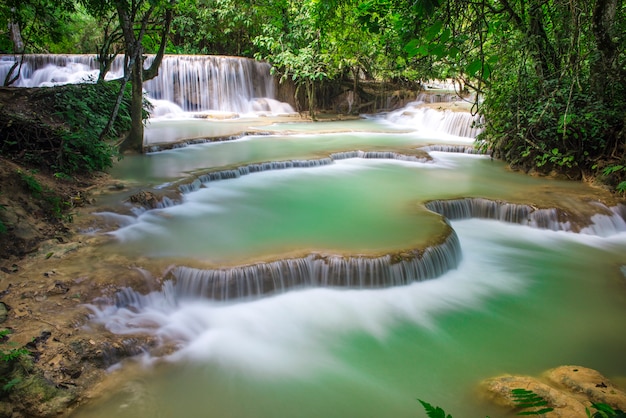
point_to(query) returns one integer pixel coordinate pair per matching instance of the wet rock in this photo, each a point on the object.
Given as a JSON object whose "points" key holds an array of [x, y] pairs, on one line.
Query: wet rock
{"points": [[146, 199], [499, 391], [152, 200], [587, 384], [58, 288], [105, 352], [569, 390]]}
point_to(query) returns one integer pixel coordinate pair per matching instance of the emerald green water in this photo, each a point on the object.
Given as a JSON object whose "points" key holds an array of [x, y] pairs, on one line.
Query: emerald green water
{"points": [[522, 300]]}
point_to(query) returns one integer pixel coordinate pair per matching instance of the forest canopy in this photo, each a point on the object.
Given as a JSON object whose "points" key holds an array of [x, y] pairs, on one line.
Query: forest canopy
{"points": [[547, 75]]}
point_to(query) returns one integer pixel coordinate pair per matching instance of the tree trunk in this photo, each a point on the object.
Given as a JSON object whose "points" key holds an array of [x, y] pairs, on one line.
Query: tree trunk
{"points": [[311, 93], [134, 140], [547, 61], [134, 54], [602, 68], [16, 36]]}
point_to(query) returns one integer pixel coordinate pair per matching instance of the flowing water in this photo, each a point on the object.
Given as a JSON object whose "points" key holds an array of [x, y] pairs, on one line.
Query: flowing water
{"points": [[316, 277], [524, 295]]}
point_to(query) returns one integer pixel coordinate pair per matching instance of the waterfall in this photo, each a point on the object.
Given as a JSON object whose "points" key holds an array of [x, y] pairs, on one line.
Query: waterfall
{"points": [[385, 155], [248, 169], [192, 82], [430, 97], [502, 211], [451, 122], [201, 82], [46, 70], [610, 221], [312, 271], [462, 149], [234, 173]]}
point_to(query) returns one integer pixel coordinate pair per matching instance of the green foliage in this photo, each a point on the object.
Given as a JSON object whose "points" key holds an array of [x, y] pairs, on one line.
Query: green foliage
{"points": [[31, 183], [434, 411], [43, 23], [556, 99], [55, 205], [9, 355], [604, 411], [85, 109], [224, 27], [10, 384], [529, 400]]}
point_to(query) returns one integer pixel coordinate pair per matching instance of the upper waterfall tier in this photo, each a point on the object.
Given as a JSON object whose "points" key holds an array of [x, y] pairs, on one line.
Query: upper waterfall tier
{"points": [[198, 83], [193, 82]]}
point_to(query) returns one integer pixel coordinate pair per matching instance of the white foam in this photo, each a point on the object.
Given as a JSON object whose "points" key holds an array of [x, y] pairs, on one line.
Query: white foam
{"points": [[293, 334]]}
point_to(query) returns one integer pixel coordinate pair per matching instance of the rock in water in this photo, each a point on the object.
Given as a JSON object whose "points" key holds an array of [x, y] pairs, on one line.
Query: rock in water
{"points": [[587, 384], [569, 390]]}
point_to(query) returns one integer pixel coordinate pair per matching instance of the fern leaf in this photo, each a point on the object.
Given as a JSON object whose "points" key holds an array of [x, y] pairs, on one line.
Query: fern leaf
{"points": [[434, 411], [526, 399]]}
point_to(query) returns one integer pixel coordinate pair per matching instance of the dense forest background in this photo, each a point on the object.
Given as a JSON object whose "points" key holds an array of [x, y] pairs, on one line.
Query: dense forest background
{"points": [[547, 75]]}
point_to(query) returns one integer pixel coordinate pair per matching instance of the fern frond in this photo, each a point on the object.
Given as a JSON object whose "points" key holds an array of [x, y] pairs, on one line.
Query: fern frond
{"points": [[434, 411]]}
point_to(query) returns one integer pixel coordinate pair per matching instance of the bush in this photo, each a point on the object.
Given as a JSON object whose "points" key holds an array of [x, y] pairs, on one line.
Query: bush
{"points": [[58, 129], [85, 110]]}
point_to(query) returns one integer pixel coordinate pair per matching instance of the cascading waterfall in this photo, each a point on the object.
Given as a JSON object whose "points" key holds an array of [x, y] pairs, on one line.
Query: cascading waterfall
{"points": [[612, 221], [199, 83], [45, 70], [311, 271], [386, 155], [463, 149], [193, 83], [437, 97], [251, 168], [451, 122], [282, 165]]}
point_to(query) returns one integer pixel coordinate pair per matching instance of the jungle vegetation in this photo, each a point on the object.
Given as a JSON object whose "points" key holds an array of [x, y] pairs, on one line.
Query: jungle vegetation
{"points": [[548, 76]]}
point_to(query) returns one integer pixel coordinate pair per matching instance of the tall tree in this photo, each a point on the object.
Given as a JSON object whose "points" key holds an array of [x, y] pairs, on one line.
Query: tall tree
{"points": [[139, 20], [136, 19]]}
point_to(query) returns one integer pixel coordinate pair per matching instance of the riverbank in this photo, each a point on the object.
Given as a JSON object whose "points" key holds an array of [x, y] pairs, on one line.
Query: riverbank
{"points": [[49, 270]]}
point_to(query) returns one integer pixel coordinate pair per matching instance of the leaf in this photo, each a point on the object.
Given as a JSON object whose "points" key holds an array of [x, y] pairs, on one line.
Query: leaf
{"points": [[434, 30], [525, 399], [411, 46], [474, 67], [434, 411], [445, 35], [438, 51], [454, 52]]}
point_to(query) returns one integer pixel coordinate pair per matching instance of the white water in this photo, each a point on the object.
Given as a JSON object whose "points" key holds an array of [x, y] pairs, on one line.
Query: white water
{"points": [[435, 122], [185, 83], [515, 304], [522, 299]]}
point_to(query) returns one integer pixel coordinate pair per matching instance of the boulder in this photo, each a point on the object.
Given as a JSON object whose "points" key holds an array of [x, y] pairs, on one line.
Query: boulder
{"points": [[569, 390]]}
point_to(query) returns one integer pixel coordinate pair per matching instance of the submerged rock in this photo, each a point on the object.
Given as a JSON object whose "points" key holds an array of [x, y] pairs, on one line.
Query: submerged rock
{"points": [[569, 390]]}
